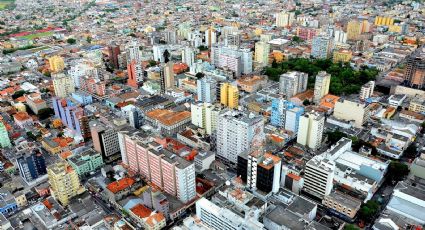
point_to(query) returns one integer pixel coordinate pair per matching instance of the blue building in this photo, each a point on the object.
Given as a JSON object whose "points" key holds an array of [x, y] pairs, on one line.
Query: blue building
{"points": [[8, 203], [72, 115], [286, 114], [32, 166], [82, 97], [206, 90]]}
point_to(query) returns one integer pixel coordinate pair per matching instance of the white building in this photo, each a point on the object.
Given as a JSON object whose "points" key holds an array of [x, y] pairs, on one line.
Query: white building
{"points": [[262, 50], [205, 115], [321, 47], [292, 83], [237, 132], [231, 55], [185, 180], [321, 86], [206, 89], [367, 90], [220, 218], [133, 51], [319, 175], [81, 70], [188, 56], [340, 36], [310, 131]]}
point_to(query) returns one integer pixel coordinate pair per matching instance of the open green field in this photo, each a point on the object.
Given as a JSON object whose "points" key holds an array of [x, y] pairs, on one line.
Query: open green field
{"points": [[5, 3], [37, 35]]}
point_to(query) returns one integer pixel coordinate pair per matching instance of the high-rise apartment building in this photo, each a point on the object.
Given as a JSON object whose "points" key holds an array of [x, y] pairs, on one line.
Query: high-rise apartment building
{"points": [[167, 77], [321, 86], [205, 115], [133, 52], [262, 50], [72, 116], [415, 70], [4, 137], [236, 133], [56, 64], [232, 39], [322, 47], [237, 60], [292, 83], [311, 128], [173, 174], [206, 88], [384, 21], [113, 53], [285, 19], [188, 56], [64, 182], [340, 36], [210, 37], [31, 166], [229, 95], [367, 90], [354, 29], [135, 74], [353, 111], [63, 85]]}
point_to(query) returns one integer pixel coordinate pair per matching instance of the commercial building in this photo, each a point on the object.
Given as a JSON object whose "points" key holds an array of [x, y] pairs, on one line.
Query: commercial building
{"points": [[342, 203], [321, 86], [205, 116], [229, 95], [262, 50], [292, 83], [86, 162], [352, 111], [105, 139], [415, 70], [4, 137], [367, 90], [260, 170], [8, 204], [31, 166], [63, 85], [35, 102], [206, 88], [56, 64], [222, 218], [310, 131], [64, 182], [168, 122], [342, 55], [237, 132], [322, 47], [417, 104], [318, 176]]}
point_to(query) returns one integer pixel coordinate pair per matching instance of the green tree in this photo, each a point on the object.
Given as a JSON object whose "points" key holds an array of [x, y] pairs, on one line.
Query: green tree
{"points": [[296, 39], [202, 48], [335, 136], [71, 41], [45, 113], [89, 39], [19, 93], [397, 171], [306, 102], [350, 227], [199, 75], [368, 210], [411, 151]]}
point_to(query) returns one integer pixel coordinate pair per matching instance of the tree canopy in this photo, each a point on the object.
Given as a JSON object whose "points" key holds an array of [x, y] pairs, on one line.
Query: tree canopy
{"points": [[344, 79]]}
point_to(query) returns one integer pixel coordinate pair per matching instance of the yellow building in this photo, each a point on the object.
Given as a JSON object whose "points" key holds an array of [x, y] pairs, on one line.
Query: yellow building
{"points": [[229, 95], [64, 182], [384, 21], [342, 55], [395, 28], [365, 26], [354, 28], [56, 64]]}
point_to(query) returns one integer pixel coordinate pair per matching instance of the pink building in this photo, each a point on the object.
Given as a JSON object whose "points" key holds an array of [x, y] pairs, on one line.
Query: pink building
{"points": [[130, 146], [143, 159], [155, 165]]}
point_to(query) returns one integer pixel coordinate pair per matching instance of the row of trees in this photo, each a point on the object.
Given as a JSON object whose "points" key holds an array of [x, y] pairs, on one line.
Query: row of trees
{"points": [[344, 80]]}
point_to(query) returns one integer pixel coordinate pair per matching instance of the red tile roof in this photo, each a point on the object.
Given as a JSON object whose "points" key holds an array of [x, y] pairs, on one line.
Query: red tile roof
{"points": [[120, 185]]}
